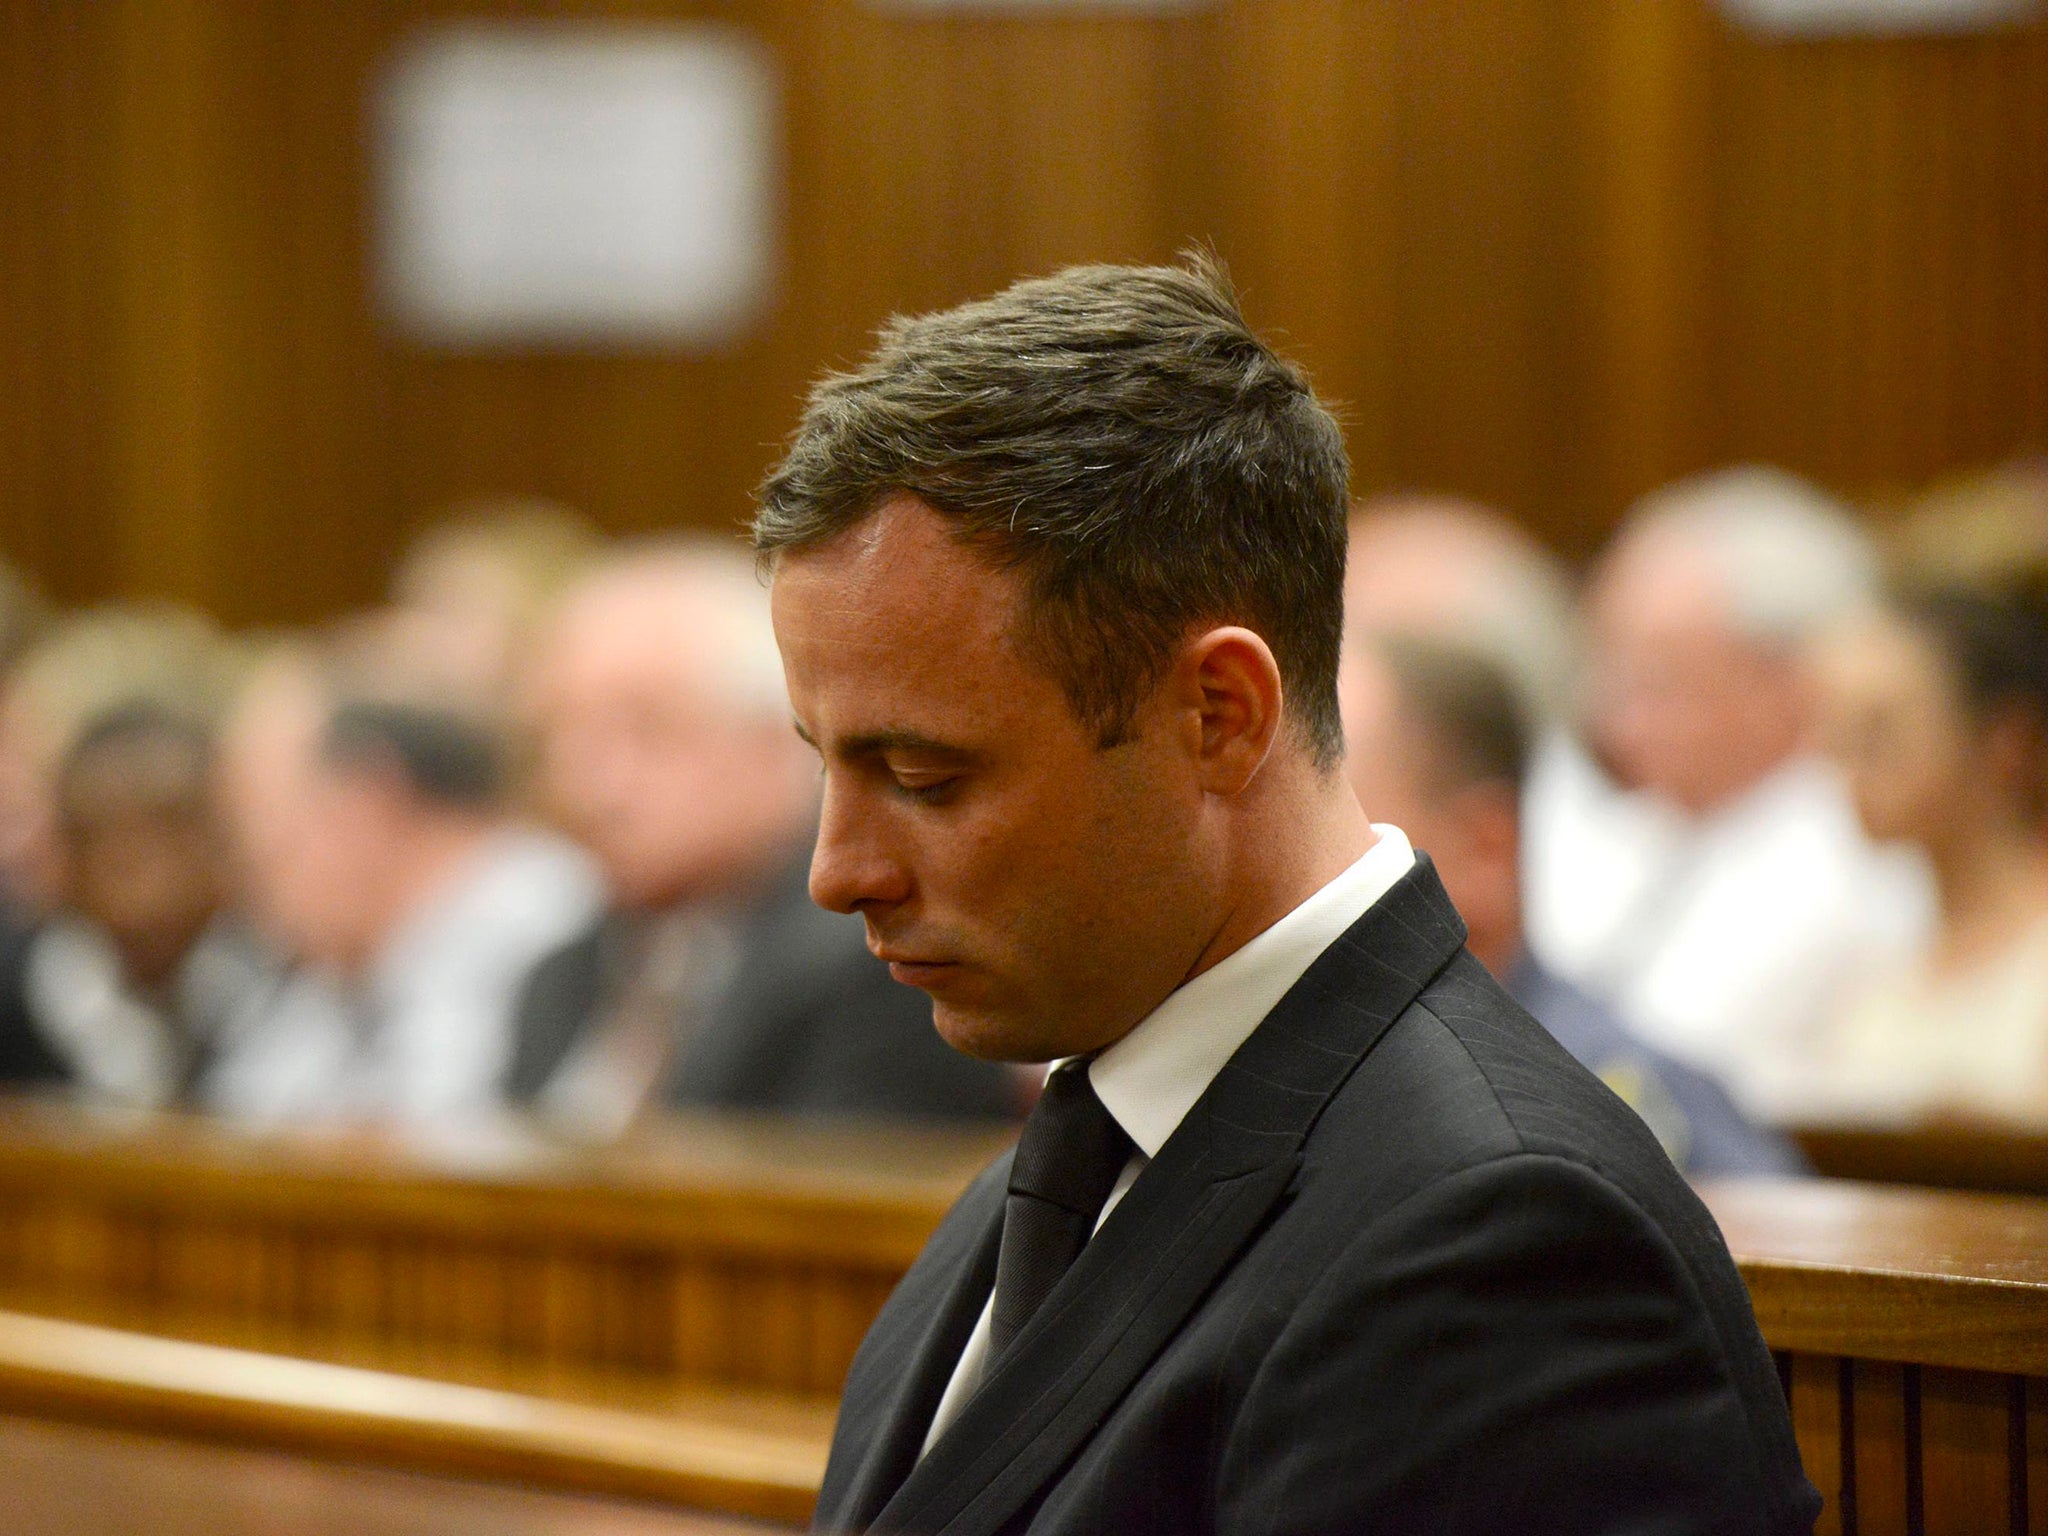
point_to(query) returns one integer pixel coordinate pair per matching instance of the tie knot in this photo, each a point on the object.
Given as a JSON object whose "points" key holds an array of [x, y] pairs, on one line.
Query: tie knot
{"points": [[1071, 1149]]}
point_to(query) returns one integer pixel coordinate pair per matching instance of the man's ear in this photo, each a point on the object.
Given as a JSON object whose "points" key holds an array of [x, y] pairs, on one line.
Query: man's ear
{"points": [[1228, 685]]}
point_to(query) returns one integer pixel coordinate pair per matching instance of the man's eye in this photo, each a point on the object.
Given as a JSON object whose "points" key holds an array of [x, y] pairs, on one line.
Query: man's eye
{"points": [[926, 791]]}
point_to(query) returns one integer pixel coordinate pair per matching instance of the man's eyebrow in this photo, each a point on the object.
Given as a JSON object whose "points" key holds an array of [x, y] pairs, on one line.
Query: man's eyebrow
{"points": [[878, 743]]}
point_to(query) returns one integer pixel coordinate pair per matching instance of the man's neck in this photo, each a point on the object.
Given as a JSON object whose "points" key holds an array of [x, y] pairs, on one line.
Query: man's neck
{"points": [[1286, 857]]}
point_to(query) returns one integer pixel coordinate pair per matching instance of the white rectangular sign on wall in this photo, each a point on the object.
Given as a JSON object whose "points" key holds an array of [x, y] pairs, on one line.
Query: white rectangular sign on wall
{"points": [[578, 184], [1029, 7], [1816, 18]]}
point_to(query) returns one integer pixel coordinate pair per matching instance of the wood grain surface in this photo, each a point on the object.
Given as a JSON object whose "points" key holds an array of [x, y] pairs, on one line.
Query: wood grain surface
{"points": [[745, 1251], [750, 1454], [1954, 1155], [1548, 254], [720, 1273], [1893, 1273], [74, 1480]]}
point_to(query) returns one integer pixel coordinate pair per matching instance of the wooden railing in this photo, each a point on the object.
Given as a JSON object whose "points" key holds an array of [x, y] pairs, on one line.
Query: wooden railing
{"points": [[1911, 1325], [755, 1454], [1950, 1155], [746, 1253]]}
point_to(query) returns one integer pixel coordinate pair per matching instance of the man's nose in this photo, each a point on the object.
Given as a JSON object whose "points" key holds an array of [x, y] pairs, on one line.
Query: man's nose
{"points": [[853, 867]]}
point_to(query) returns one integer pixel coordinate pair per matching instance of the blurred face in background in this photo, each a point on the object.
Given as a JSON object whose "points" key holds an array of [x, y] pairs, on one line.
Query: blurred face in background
{"points": [[1679, 701], [144, 861], [31, 852], [1470, 830], [482, 583], [651, 753], [1893, 717], [312, 849]]}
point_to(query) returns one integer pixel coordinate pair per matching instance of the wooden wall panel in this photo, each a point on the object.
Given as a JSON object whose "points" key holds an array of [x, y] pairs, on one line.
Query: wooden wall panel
{"points": [[1549, 252]]}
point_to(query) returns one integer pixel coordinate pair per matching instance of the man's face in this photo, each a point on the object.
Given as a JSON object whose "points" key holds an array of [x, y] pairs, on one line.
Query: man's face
{"points": [[1678, 701], [1914, 761], [672, 785], [314, 844], [1470, 831], [144, 858], [1046, 892]]}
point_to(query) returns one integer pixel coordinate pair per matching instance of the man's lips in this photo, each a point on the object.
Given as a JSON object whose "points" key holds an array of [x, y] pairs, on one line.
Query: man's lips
{"points": [[915, 970]]}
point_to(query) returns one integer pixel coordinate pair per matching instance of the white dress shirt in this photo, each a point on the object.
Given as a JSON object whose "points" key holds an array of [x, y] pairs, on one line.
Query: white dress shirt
{"points": [[1151, 1078], [427, 1035], [1727, 940]]}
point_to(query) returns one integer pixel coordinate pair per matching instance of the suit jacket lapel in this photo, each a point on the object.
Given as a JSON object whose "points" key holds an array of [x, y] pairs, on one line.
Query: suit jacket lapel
{"points": [[908, 1357], [1184, 1221]]}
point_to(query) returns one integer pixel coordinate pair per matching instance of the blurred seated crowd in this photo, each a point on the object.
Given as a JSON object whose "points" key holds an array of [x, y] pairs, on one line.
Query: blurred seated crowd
{"points": [[1752, 814], [531, 841]]}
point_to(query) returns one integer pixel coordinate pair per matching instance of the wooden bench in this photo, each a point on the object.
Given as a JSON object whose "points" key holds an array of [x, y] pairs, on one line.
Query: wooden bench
{"points": [[734, 1452]]}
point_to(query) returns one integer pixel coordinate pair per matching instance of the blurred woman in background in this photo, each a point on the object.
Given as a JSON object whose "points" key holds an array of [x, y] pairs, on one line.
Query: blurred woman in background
{"points": [[1935, 705]]}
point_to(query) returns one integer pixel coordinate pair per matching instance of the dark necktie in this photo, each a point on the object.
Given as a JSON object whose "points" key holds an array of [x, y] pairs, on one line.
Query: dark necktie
{"points": [[1067, 1162]]}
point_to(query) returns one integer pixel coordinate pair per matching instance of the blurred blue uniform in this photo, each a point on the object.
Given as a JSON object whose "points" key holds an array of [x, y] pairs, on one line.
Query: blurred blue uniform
{"points": [[1687, 1110]]}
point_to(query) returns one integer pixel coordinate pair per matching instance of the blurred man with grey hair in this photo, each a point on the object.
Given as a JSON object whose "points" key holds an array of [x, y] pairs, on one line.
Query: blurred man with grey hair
{"points": [[666, 749], [1708, 877], [1446, 569]]}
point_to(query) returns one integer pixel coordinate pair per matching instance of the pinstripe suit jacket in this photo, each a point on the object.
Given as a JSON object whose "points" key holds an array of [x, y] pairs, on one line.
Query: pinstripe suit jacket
{"points": [[1405, 1267]]}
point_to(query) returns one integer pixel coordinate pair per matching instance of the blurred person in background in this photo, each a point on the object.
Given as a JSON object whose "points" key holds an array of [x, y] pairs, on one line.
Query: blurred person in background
{"points": [[1710, 880], [1438, 744], [1935, 704], [23, 1057], [381, 855], [481, 583], [1444, 568], [83, 670], [1987, 530], [24, 615], [132, 981], [713, 980], [79, 669]]}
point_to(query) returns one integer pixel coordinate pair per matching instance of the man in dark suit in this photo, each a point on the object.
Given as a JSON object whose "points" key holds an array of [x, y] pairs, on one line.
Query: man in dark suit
{"points": [[26, 1060], [713, 980], [1313, 1229], [799, 1018]]}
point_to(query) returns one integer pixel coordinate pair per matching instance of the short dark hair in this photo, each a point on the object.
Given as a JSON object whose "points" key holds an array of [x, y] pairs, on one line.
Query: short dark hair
{"points": [[1465, 704], [1121, 437], [1993, 646], [443, 755]]}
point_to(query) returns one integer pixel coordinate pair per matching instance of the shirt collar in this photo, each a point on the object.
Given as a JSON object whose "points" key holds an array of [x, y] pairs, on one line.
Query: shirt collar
{"points": [[1151, 1078]]}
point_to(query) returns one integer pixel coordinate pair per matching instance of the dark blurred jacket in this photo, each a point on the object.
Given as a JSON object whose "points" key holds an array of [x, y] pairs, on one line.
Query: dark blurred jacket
{"points": [[1690, 1114], [25, 1057], [809, 1022]]}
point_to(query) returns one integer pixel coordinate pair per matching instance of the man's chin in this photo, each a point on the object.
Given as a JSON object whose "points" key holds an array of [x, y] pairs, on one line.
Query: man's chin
{"points": [[973, 1032]]}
